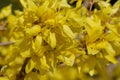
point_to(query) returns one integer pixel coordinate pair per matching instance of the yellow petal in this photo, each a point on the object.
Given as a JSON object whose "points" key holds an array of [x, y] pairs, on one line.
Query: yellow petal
{"points": [[26, 53], [107, 46], [23, 2], [93, 27], [44, 64], [4, 78], [78, 3], [52, 40], [30, 65], [38, 43], [111, 59], [92, 72], [32, 76], [68, 31], [42, 9], [92, 49], [50, 21], [6, 11], [113, 29], [31, 5], [117, 4], [33, 31], [69, 60], [64, 3]]}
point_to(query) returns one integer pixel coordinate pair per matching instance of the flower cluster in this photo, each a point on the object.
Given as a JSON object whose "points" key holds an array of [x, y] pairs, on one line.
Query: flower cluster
{"points": [[59, 40]]}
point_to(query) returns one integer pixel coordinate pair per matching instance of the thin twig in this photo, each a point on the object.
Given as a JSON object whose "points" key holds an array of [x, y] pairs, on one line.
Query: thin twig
{"points": [[21, 74], [3, 26], [6, 43]]}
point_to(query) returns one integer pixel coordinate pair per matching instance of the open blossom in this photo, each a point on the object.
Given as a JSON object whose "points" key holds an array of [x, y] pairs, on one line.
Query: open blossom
{"points": [[54, 40]]}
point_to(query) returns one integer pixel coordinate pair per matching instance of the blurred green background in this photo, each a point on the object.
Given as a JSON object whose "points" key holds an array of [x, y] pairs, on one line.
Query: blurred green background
{"points": [[15, 4]]}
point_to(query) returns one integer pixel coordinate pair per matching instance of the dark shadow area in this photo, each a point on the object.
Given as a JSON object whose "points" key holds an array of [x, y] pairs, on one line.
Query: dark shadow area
{"points": [[15, 4]]}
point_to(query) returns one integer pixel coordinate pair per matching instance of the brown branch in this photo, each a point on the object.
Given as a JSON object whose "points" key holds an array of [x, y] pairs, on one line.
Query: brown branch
{"points": [[21, 74], [6, 43], [1, 74], [3, 26]]}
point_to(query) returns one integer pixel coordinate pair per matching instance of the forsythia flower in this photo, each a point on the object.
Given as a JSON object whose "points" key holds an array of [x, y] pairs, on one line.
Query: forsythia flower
{"points": [[54, 40]]}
